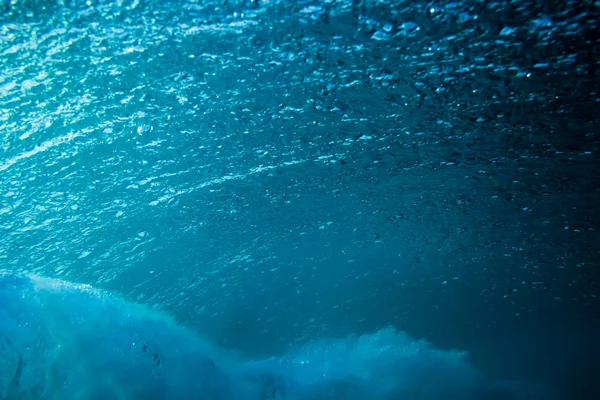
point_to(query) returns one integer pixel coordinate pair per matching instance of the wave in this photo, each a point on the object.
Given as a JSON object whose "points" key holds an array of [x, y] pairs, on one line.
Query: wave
{"points": [[60, 340]]}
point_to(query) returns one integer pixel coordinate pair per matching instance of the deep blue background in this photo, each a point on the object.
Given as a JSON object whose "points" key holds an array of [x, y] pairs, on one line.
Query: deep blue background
{"points": [[271, 172]]}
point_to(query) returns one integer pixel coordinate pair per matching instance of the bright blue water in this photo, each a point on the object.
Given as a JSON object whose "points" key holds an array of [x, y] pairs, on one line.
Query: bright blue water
{"points": [[272, 174], [65, 341]]}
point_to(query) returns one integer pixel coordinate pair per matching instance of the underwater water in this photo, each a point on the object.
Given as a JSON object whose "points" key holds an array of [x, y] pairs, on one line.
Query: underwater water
{"points": [[67, 341], [403, 192]]}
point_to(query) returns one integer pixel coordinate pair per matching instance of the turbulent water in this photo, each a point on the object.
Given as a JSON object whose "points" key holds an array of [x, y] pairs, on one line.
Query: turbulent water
{"points": [[64, 341], [271, 173]]}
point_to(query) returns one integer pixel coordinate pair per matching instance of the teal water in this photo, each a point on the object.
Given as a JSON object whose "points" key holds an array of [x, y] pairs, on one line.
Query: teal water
{"points": [[272, 173], [60, 340]]}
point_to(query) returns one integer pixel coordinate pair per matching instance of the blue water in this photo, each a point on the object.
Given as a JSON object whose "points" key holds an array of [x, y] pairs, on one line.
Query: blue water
{"points": [[66, 341], [335, 178]]}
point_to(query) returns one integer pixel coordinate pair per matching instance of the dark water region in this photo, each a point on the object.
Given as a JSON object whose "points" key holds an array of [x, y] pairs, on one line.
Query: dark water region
{"points": [[273, 172]]}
